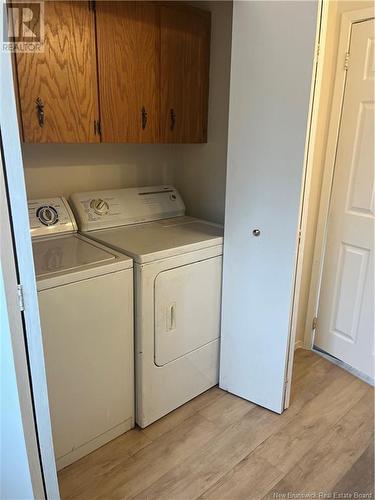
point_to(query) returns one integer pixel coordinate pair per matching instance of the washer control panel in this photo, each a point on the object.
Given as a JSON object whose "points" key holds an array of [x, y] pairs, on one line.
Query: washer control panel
{"points": [[50, 216], [120, 207]]}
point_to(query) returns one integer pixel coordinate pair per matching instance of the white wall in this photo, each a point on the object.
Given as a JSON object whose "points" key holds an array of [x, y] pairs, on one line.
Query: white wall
{"points": [[200, 171], [15, 478], [335, 11], [61, 169]]}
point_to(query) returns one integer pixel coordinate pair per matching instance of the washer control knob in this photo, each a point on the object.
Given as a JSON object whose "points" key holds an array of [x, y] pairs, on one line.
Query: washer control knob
{"points": [[47, 215], [99, 206]]}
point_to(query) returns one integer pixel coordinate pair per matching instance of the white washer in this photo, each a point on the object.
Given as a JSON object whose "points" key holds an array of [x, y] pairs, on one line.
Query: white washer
{"points": [[85, 295], [177, 270]]}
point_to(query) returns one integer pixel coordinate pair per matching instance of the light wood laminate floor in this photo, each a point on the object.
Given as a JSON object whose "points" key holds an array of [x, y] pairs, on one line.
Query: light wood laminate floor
{"points": [[219, 446]]}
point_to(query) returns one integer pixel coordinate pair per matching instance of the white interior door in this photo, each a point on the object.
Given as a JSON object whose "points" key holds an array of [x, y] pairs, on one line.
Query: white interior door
{"points": [[271, 73], [345, 327]]}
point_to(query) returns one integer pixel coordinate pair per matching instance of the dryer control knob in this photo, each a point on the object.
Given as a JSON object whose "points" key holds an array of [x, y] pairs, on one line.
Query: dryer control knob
{"points": [[99, 206]]}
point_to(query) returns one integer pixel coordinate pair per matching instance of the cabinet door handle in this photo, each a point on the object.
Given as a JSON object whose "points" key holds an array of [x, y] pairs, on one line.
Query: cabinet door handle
{"points": [[40, 111], [144, 118], [173, 119]]}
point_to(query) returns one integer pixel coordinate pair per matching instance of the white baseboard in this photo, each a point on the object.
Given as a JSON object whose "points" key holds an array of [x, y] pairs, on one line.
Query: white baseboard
{"points": [[345, 366]]}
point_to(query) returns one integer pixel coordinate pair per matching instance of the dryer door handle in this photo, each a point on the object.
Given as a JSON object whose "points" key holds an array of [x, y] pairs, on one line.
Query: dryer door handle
{"points": [[171, 317]]}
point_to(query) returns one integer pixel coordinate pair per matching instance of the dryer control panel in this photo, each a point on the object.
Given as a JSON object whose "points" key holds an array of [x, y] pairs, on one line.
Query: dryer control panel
{"points": [[50, 216], [120, 207]]}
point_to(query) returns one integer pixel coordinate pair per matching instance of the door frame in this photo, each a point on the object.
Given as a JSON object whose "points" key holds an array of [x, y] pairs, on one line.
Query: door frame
{"points": [[17, 336], [348, 19], [309, 160], [26, 334]]}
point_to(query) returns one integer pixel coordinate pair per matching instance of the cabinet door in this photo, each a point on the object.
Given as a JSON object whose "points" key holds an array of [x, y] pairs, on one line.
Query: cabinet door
{"points": [[128, 65], [185, 55], [62, 77]]}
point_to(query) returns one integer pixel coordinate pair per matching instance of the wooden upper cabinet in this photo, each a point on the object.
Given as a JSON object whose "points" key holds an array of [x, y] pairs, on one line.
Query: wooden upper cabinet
{"points": [[62, 78], [122, 71], [128, 66], [184, 68]]}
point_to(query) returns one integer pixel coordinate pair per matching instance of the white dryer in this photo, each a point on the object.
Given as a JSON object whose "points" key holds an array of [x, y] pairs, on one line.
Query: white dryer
{"points": [[85, 295], [177, 271]]}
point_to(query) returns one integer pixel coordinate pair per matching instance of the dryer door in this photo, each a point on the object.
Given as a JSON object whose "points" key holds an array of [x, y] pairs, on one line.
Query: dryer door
{"points": [[187, 309]]}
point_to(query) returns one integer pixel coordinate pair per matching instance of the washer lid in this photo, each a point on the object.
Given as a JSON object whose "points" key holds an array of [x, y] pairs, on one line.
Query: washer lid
{"points": [[159, 240], [66, 254]]}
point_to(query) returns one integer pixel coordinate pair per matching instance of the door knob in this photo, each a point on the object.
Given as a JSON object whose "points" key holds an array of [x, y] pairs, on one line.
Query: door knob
{"points": [[256, 232]]}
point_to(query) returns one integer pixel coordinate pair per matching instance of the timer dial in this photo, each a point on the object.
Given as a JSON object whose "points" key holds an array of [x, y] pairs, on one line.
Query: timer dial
{"points": [[99, 206], [47, 215]]}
